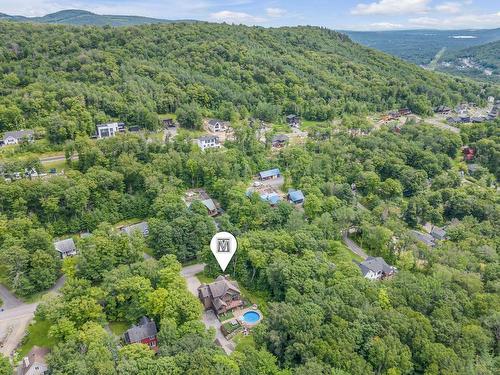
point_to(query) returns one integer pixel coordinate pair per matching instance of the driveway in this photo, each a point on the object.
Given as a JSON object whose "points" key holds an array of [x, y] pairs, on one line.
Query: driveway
{"points": [[209, 318], [353, 246], [9, 300]]}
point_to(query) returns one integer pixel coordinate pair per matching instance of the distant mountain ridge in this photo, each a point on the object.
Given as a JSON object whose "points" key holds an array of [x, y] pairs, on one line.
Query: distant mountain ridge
{"points": [[83, 17]]}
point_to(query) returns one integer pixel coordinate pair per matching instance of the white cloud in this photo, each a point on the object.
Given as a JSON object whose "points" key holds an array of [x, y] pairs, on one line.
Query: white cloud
{"points": [[390, 7], [449, 7], [384, 26], [461, 21], [275, 12], [236, 17]]}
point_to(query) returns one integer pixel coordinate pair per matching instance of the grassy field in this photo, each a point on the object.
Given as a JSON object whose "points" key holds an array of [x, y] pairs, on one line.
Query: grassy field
{"points": [[37, 335], [243, 342], [118, 328]]}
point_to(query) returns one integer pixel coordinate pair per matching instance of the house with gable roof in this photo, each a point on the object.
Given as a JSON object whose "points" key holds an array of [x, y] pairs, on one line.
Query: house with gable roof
{"points": [[144, 332], [66, 248], [222, 295], [375, 268]]}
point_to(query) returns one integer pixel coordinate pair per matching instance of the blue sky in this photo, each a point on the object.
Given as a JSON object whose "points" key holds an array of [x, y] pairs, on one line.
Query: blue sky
{"points": [[347, 14]]}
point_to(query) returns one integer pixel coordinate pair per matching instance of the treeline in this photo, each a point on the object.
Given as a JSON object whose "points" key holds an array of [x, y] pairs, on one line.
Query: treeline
{"points": [[66, 79]]}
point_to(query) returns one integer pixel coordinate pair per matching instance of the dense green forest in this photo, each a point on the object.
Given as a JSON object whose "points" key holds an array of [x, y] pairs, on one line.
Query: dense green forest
{"points": [[438, 315], [66, 79]]}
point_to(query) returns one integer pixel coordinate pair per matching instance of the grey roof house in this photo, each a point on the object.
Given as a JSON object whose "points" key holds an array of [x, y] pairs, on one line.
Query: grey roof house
{"points": [[16, 136], [144, 332], [141, 227], [425, 238], [66, 248], [376, 268], [34, 363]]}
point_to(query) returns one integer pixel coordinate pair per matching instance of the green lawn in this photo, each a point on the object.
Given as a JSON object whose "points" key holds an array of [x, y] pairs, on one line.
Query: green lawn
{"points": [[226, 316], [243, 342], [204, 279], [304, 124], [37, 335], [118, 328], [164, 116]]}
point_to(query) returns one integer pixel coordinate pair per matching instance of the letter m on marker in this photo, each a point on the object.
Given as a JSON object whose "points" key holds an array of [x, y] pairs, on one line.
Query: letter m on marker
{"points": [[223, 245]]}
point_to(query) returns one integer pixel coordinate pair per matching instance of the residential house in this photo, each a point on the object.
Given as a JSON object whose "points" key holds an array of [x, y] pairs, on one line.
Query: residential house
{"points": [[215, 125], [141, 227], [269, 174], [469, 153], [168, 123], [34, 363], [438, 233], [222, 295], [404, 112], [279, 141], [17, 136], [293, 120], [376, 268], [473, 168], [295, 196], [272, 198], [109, 130], [145, 332], [66, 248], [442, 109], [424, 238], [202, 196], [209, 141]]}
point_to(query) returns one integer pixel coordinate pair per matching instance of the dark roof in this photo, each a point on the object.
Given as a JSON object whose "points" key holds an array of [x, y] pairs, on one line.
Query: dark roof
{"points": [[221, 286], [438, 233], [65, 246], [146, 328], [375, 265], [215, 121], [423, 237], [280, 138]]}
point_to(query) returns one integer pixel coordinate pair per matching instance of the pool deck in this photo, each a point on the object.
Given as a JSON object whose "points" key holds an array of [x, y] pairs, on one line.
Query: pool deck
{"points": [[238, 315]]}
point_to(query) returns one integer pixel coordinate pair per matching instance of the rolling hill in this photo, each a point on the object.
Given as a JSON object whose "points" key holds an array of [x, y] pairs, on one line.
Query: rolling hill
{"points": [[479, 62], [421, 46], [90, 74], [82, 17]]}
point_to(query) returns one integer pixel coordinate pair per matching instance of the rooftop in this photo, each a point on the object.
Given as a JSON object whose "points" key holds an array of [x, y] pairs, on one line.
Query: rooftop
{"points": [[65, 246]]}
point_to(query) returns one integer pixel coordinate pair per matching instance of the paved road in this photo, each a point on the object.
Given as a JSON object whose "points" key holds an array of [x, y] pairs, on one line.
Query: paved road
{"points": [[16, 317], [209, 318], [9, 300], [353, 246], [51, 159]]}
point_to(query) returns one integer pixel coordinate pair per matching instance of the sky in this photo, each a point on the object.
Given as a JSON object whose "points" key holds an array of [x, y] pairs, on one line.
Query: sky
{"points": [[335, 14]]}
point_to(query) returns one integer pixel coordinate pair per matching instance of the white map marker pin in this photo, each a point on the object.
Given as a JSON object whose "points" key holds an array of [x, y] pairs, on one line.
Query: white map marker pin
{"points": [[223, 246]]}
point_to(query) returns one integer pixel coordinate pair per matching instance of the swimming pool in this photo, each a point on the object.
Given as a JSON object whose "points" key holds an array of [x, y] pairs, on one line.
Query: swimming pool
{"points": [[251, 317]]}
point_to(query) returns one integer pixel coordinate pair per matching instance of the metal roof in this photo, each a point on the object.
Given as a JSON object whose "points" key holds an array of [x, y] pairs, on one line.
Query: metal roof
{"points": [[296, 195], [65, 246], [269, 173]]}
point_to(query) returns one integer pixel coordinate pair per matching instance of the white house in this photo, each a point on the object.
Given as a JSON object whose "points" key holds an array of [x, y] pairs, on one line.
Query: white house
{"points": [[14, 137], [209, 141], [376, 268], [217, 125], [110, 130]]}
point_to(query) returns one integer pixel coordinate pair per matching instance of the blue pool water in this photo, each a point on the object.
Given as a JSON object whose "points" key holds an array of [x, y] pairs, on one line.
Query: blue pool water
{"points": [[251, 317]]}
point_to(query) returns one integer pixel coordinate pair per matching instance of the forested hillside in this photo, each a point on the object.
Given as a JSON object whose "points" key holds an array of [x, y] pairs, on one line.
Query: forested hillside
{"points": [[480, 62], [67, 78]]}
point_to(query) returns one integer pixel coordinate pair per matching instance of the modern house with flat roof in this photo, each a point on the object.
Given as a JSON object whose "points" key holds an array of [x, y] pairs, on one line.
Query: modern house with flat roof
{"points": [[109, 130]]}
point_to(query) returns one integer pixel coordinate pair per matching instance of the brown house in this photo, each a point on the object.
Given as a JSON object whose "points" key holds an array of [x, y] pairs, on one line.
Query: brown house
{"points": [[222, 295]]}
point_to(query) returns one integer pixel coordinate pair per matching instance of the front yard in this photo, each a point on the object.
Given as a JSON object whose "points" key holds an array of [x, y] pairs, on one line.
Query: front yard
{"points": [[38, 334]]}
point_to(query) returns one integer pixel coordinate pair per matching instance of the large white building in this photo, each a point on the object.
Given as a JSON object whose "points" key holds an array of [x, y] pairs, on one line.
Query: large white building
{"points": [[110, 130], [209, 141]]}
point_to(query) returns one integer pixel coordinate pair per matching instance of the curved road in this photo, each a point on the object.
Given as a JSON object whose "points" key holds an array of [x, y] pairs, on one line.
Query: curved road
{"points": [[15, 316]]}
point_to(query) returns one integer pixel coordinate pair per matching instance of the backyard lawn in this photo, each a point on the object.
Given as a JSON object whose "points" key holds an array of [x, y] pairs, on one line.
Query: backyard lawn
{"points": [[37, 335], [118, 328]]}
